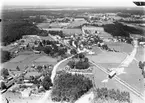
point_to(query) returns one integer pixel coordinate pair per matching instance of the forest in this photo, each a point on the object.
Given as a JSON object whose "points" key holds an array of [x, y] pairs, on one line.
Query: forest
{"points": [[119, 29]]}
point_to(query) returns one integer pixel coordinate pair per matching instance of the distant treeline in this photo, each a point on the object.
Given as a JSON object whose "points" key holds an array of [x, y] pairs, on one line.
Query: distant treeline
{"points": [[119, 29], [14, 30], [137, 21], [20, 13], [125, 15]]}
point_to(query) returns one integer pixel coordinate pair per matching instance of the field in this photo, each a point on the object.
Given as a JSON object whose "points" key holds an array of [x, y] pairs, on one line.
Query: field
{"points": [[140, 54], [43, 25], [121, 47], [37, 59], [96, 49], [19, 58], [103, 34], [45, 59], [72, 31], [133, 76], [76, 24], [108, 57]]}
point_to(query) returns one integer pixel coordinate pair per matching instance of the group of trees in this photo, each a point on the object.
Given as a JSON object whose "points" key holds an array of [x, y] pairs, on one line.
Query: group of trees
{"points": [[68, 87], [81, 63], [142, 66], [5, 56], [4, 73], [51, 48], [14, 30], [46, 83], [104, 93], [119, 29], [45, 71]]}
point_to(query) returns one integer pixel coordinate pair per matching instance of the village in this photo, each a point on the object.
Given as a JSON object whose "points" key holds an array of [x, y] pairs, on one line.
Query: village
{"points": [[76, 45]]}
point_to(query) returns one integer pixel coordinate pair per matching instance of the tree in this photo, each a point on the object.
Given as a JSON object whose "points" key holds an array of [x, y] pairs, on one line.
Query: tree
{"points": [[71, 64], [5, 56], [41, 44], [82, 65], [47, 49], [39, 68], [73, 51], [141, 64], [14, 30], [44, 42], [81, 56], [46, 83], [17, 68], [4, 72]]}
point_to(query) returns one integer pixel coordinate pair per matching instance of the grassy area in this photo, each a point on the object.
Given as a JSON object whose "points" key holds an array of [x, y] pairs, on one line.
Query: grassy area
{"points": [[140, 52], [19, 58], [108, 57], [24, 60], [133, 76], [121, 47], [72, 31], [43, 25], [96, 49], [45, 59]]}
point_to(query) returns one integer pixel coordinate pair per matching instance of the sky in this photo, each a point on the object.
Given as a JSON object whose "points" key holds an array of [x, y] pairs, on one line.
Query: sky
{"points": [[122, 3]]}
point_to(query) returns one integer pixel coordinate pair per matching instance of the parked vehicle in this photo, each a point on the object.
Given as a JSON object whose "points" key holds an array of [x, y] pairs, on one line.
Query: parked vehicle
{"points": [[112, 74]]}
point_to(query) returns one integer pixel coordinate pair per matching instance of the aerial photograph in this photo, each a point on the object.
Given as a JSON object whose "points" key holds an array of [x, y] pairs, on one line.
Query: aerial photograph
{"points": [[72, 51]]}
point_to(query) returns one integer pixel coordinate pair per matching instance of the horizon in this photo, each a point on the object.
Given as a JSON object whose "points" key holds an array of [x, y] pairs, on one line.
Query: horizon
{"points": [[71, 3]]}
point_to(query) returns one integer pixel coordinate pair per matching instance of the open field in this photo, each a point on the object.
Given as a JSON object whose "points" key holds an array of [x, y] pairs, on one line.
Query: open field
{"points": [[72, 31], [43, 25], [28, 60], [121, 47], [108, 57], [109, 65], [133, 76], [19, 58], [46, 38], [96, 49], [102, 33], [45, 59], [76, 24]]}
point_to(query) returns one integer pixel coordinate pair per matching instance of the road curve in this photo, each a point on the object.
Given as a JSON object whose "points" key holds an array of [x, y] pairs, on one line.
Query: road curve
{"points": [[53, 73]]}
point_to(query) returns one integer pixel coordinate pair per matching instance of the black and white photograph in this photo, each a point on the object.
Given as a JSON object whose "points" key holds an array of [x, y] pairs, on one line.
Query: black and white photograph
{"points": [[72, 51]]}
